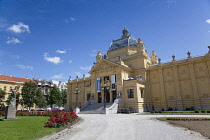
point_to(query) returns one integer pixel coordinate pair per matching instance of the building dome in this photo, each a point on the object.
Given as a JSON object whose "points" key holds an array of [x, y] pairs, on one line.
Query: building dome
{"points": [[124, 41]]}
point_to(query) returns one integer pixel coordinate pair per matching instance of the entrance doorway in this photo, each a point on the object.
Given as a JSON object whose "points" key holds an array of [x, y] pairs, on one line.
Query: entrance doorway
{"points": [[99, 97], [114, 95]]}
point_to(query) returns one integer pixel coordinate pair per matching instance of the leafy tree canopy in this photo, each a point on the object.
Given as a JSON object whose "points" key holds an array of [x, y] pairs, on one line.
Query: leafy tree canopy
{"points": [[64, 96], [29, 91], [54, 97], [2, 95], [40, 100]]}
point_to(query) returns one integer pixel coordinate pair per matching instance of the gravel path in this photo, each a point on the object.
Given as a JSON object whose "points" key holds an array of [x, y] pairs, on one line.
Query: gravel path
{"points": [[128, 127]]}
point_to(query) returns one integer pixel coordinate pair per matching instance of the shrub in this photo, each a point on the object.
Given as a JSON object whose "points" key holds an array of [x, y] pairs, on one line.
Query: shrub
{"points": [[197, 111], [152, 112], [208, 111], [159, 111], [203, 111], [61, 120], [2, 113], [156, 111]]}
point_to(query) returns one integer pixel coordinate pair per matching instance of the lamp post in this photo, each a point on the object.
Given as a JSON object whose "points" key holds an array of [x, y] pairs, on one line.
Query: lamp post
{"points": [[76, 91], [104, 89]]}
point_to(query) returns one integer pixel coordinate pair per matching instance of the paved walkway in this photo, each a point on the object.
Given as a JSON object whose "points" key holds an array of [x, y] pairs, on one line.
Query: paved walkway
{"points": [[129, 127]]}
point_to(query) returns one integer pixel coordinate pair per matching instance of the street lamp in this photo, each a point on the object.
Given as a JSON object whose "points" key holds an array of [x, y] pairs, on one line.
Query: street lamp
{"points": [[105, 88], [76, 91]]}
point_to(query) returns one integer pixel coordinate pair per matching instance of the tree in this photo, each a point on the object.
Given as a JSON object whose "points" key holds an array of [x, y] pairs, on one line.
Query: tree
{"points": [[40, 100], [29, 91], [54, 97], [64, 96], [2, 95]]}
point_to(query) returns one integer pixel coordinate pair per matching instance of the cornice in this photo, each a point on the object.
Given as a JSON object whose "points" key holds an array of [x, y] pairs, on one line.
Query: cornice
{"points": [[179, 63]]}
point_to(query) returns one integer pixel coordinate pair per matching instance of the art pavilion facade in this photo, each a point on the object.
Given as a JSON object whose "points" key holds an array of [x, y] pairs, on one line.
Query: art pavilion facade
{"points": [[142, 82]]}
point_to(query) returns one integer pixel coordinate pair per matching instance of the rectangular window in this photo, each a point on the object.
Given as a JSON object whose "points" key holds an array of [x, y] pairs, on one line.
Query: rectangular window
{"points": [[130, 93], [98, 84], [10, 88], [46, 92], [113, 86], [142, 92], [5, 88], [113, 79]]}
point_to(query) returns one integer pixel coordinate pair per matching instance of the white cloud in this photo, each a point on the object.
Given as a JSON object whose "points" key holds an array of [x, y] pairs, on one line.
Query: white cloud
{"points": [[25, 67], [70, 19], [19, 28], [58, 76], [55, 60], [13, 40], [208, 21], [59, 51], [209, 31], [70, 61], [86, 68]]}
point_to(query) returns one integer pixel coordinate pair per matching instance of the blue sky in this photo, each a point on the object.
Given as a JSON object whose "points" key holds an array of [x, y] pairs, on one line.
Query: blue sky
{"points": [[55, 39]]}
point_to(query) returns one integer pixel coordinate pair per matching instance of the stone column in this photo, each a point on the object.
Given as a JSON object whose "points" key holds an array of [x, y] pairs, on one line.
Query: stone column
{"points": [[147, 96], [194, 87], [111, 94], [179, 104], [162, 89]]}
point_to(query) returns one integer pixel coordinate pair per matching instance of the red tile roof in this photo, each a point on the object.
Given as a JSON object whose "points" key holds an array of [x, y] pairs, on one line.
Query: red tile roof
{"points": [[14, 79]]}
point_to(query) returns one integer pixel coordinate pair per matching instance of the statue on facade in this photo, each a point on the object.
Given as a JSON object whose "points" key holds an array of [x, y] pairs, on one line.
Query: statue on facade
{"points": [[139, 77]]}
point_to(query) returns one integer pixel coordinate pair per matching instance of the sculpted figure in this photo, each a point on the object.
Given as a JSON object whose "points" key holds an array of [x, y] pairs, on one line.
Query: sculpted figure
{"points": [[13, 99]]}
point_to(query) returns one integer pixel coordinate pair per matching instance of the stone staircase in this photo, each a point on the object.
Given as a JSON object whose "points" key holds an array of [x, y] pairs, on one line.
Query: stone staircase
{"points": [[95, 108]]}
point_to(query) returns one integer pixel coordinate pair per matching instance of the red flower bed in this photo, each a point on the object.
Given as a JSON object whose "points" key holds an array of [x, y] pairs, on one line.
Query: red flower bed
{"points": [[2, 113], [63, 118], [58, 118]]}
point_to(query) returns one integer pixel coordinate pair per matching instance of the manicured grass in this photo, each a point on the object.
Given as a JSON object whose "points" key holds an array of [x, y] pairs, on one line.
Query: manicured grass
{"points": [[25, 128]]}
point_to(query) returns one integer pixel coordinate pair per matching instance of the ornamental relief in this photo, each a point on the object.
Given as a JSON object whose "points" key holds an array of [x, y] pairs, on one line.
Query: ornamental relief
{"points": [[154, 77], [104, 66], [183, 72], [168, 75], [200, 70]]}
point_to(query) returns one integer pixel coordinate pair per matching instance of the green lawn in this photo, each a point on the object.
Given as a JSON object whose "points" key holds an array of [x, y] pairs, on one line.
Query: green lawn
{"points": [[25, 128]]}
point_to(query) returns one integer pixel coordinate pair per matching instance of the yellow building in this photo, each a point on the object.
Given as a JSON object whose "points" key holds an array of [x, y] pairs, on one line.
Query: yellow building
{"points": [[9, 83], [128, 74]]}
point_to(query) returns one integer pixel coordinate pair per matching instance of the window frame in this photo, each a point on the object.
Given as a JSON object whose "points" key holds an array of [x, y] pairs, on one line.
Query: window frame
{"points": [[5, 88], [130, 93]]}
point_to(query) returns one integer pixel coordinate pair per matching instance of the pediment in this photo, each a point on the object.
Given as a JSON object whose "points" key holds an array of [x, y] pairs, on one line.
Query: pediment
{"points": [[103, 66]]}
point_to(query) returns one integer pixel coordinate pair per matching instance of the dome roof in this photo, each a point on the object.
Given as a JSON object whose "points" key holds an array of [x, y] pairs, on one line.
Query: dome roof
{"points": [[124, 41]]}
